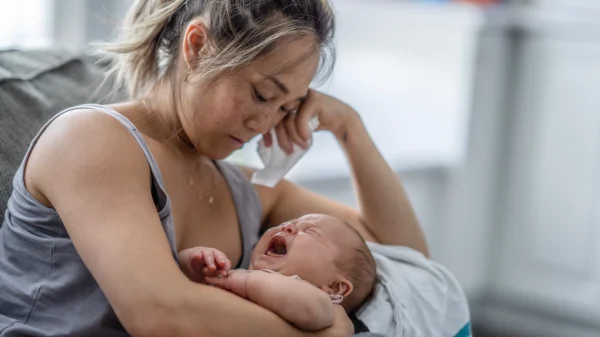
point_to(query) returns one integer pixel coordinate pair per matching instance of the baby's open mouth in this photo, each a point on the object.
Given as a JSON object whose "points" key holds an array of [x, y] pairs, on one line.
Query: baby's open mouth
{"points": [[277, 246]]}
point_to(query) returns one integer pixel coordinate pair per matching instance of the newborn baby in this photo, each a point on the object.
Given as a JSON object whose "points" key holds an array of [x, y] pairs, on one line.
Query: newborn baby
{"points": [[298, 270]]}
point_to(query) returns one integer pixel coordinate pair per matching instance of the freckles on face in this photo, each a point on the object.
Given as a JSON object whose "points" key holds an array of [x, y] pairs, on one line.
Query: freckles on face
{"points": [[213, 114], [224, 113]]}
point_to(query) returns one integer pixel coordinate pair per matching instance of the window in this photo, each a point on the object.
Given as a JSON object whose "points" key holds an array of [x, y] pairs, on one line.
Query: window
{"points": [[26, 23]]}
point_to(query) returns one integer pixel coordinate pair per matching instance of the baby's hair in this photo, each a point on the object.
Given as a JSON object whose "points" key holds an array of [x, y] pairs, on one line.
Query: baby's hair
{"points": [[361, 270]]}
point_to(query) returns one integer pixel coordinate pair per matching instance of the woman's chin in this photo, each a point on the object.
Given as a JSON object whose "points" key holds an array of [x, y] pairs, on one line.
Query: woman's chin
{"points": [[216, 153]]}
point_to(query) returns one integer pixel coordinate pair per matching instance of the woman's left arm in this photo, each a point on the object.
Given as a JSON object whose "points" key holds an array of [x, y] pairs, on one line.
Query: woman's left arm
{"points": [[385, 214]]}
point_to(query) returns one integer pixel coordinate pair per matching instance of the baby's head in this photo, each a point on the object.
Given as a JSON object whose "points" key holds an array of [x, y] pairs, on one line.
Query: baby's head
{"points": [[322, 250]]}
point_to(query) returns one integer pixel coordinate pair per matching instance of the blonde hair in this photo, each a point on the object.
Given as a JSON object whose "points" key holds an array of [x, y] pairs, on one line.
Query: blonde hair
{"points": [[239, 32]]}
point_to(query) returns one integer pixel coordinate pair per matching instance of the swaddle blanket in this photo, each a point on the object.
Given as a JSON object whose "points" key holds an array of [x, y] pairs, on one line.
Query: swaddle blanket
{"points": [[414, 297]]}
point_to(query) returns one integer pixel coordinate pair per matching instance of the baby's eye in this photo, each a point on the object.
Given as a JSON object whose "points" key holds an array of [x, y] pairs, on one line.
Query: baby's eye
{"points": [[313, 231]]}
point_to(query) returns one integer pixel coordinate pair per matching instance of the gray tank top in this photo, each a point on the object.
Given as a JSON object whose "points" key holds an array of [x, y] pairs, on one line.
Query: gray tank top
{"points": [[46, 290]]}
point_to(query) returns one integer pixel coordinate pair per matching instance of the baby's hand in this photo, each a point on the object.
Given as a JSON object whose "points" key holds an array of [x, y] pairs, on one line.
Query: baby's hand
{"points": [[200, 262], [235, 282]]}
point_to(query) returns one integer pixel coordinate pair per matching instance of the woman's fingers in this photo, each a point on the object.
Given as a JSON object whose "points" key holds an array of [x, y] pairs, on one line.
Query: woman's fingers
{"points": [[290, 127], [308, 110], [283, 138], [268, 139]]}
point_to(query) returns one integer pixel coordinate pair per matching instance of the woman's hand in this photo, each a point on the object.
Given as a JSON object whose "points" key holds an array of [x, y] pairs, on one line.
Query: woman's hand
{"points": [[333, 115], [385, 214]]}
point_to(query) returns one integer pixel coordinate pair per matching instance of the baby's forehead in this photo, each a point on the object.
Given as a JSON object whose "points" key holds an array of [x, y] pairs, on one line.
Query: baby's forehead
{"points": [[326, 222], [319, 219], [336, 228]]}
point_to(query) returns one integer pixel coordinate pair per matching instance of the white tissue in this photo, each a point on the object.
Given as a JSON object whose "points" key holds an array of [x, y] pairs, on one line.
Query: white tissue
{"points": [[277, 162]]}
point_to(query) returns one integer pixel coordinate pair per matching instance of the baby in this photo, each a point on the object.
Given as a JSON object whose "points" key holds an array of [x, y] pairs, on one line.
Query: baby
{"points": [[298, 270]]}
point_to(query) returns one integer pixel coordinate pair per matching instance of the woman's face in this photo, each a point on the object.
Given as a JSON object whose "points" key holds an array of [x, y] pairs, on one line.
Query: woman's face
{"points": [[219, 116]]}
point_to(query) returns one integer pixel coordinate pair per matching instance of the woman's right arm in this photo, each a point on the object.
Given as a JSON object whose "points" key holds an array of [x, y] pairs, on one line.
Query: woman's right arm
{"points": [[91, 170]]}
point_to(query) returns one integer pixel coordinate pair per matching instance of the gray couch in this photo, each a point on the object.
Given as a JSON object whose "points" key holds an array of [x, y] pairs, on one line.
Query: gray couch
{"points": [[35, 85]]}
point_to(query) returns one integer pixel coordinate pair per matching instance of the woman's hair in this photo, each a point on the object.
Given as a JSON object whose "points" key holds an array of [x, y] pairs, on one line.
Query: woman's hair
{"points": [[239, 31]]}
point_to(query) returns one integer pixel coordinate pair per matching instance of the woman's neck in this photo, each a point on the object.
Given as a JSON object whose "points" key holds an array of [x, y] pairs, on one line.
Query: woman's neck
{"points": [[159, 111]]}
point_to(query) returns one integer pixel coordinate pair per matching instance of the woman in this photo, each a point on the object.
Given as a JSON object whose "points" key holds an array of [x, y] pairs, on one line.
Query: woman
{"points": [[107, 195]]}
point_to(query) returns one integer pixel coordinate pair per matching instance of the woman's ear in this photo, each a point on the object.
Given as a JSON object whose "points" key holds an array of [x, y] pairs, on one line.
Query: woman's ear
{"points": [[195, 41]]}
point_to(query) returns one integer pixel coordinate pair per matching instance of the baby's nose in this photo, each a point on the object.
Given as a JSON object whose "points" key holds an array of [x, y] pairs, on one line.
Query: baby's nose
{"points": [[289, 228]]}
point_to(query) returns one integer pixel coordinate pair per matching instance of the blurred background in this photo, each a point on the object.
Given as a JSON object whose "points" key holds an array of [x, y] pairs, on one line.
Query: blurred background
{"points": [[490, 113]]}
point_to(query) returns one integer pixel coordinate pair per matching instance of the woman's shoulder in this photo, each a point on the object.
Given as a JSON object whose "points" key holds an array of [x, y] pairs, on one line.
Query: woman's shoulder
{"points": [[95, 131], [86, 143]]}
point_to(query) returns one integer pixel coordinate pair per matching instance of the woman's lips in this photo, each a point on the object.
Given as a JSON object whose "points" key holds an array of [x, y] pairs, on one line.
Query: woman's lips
{"points": [[238, 142]]}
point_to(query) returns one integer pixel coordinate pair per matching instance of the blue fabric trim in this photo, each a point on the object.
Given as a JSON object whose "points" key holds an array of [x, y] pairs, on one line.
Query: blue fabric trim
{"points": [[465, 331]]}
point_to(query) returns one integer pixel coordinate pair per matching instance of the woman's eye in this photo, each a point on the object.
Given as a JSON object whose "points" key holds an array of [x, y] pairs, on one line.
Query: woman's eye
{"points": [[259, 97]]}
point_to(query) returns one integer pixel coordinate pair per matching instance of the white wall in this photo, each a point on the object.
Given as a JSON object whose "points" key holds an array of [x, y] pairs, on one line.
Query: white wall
{"points": [[426, 188]]}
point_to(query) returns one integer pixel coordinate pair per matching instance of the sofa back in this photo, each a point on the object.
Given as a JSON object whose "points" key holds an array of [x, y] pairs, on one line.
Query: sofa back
{"points": [[34, 86]]}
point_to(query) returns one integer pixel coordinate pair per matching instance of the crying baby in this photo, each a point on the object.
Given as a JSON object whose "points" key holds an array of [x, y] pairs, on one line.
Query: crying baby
{"points": [[298, 270]]}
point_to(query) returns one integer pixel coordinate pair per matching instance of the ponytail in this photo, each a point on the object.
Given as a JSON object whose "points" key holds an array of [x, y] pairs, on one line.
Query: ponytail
{"points": [[136, 55]]}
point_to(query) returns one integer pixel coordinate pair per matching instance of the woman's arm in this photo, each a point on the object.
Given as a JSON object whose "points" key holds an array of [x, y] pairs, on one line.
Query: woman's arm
{"points": [[90, 169], [298, 302], [385, 216]]}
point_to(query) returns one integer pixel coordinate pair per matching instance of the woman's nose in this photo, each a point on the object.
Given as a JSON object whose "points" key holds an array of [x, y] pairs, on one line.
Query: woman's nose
{"points": [[289, 228], [260, 123]]}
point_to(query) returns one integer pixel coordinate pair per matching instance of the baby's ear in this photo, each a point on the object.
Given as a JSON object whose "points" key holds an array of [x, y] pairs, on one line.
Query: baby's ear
{"points": [[341, 286]]}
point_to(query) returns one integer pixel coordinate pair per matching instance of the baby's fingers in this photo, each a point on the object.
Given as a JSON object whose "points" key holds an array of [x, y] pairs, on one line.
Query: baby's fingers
{"points": [[223, 263], [197, 261], [209, 259], [210, 273], [221, 282]]}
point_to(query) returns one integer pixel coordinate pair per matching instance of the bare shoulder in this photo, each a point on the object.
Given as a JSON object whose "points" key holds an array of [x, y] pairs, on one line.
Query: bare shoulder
{"points": [[86, 144]]}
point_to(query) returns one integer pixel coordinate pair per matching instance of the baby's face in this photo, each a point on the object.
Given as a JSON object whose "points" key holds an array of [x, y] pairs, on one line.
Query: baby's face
{"points": [[306, 247]]}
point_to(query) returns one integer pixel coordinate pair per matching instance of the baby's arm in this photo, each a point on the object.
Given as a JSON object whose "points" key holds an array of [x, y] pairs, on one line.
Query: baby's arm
{"points": [[300, 303]]}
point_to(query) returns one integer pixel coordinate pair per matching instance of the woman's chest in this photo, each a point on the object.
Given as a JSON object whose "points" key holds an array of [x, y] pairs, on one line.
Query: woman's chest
{"points": [[203, 209], [202, 223]]}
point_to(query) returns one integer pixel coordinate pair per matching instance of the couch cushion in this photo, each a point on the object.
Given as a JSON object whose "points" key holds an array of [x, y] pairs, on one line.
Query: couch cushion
{"points": [[35, 85]]}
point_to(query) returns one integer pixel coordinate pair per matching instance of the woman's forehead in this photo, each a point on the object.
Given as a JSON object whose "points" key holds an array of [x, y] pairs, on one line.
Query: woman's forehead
{"points": [[293, 61]]}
